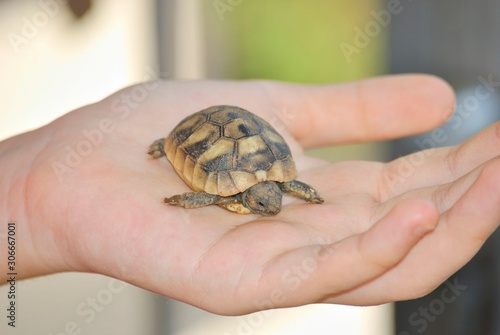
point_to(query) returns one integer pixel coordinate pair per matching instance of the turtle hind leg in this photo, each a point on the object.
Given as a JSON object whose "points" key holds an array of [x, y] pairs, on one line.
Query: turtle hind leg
{"points": [[157, 149], [301, 190]]}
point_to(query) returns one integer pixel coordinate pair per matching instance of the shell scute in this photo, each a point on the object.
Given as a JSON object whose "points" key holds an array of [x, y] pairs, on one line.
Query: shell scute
{"points": [[201, 140], [241, 128], [224, 114], [254, 155], [187, 126]]}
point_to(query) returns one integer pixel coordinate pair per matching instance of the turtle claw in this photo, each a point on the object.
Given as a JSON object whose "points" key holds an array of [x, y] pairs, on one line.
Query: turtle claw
{"points": [[174, 201], [317, 200], [313, 196]]}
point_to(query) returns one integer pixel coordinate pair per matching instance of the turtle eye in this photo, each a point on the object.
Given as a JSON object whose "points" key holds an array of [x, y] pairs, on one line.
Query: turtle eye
{"points": [[261, 204]]}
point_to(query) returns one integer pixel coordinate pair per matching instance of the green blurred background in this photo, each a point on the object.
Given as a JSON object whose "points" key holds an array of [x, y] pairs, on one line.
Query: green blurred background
{"points": [[297, 41]]}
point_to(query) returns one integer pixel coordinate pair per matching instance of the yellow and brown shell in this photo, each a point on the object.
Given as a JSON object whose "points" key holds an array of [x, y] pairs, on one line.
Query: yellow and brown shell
{"points": [[226, 149]]}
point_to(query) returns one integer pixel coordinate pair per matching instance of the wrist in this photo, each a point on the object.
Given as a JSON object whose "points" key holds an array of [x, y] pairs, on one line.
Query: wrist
{"points": [[23, 232]]}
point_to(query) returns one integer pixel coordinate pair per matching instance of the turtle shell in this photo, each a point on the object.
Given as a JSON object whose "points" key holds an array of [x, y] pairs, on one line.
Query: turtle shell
{"points": [[226, 149]]}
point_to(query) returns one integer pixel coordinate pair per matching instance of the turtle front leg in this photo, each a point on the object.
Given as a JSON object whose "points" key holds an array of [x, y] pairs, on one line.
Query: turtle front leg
{"points": [[301, 190], [193, 199]]}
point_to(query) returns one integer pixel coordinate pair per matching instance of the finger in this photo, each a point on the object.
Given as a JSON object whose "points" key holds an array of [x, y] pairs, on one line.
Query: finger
{"points": [[460, 234], [315, 272], [439, 166], [372, 109]]}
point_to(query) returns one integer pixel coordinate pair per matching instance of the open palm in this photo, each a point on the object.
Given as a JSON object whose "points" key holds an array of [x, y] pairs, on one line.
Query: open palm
{"points": [[92, 199]]}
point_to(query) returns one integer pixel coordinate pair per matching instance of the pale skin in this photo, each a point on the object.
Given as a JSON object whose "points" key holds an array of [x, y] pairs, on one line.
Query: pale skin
{"points": [[377, 238]]}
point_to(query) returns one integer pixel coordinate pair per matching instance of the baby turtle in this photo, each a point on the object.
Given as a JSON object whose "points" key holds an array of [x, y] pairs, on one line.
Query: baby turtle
{"points": [[234, 159]]}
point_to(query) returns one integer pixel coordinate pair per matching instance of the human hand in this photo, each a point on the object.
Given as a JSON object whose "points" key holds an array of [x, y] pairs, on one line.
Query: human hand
{"points": [[378, 237]]}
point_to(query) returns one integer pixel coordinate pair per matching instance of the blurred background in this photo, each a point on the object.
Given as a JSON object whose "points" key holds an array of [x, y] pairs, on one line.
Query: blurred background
{"points": [[57, 55]]}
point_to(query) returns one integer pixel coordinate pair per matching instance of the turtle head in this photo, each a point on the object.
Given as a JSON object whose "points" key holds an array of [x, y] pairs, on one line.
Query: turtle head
{"points": [[263, 198]]}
